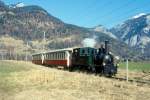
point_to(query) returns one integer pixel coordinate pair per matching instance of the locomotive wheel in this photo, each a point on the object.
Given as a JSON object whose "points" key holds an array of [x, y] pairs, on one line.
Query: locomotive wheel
{"points": [[91, 69], [70, 69]]}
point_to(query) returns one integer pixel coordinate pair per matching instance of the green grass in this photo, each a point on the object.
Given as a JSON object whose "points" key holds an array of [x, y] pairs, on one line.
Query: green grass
{"points": [[136, 66], [7, 69], [26, 81]]}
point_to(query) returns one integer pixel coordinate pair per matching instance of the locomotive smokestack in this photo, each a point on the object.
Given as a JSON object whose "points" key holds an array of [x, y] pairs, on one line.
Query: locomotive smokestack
{"points": [[106, 46]]}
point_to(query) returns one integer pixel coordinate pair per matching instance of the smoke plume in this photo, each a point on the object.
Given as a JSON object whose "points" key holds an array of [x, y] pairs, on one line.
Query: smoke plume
{"points": [[89, 42]]}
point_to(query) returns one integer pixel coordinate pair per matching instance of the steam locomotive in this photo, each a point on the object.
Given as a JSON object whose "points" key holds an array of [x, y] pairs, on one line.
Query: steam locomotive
{"points": [[99, 61]]}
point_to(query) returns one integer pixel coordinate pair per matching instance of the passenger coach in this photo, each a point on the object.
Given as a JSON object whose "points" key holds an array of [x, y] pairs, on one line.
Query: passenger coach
{"points": [[54, 58]]}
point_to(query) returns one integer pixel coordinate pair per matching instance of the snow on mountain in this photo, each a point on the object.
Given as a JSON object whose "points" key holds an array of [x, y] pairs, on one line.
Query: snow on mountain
{"points": [[134, 32], [21, 4], [18, 5], [132, 41], [139, 15], [101, 28], [148, 19]]}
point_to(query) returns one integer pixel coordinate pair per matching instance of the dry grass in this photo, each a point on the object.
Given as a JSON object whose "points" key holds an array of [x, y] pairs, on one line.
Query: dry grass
{"points": [[42, 83]]}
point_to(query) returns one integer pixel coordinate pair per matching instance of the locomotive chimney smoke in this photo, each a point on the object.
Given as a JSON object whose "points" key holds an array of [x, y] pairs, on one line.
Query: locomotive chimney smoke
{"points": [[89, 42], [106, 46]]}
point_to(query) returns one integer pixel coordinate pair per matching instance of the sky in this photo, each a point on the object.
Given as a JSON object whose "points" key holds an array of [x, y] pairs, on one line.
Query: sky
{"points": [[90, 13]]}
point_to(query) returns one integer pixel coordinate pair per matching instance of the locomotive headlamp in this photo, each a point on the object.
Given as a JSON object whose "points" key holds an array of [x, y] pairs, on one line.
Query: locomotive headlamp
{"points": [[104, 64], [107, 57], [117, 64]]}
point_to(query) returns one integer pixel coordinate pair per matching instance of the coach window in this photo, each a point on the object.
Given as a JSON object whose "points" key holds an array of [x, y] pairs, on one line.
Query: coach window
{"points": [[61, 56], [55, 56], [37, 57], [52, 56], [64, 55], [88, 50], [49, 56], [92, 52], [83, 51], [58, 56]]}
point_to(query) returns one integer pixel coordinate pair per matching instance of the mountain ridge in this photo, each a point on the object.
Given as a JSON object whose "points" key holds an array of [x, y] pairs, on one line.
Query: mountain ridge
{"points": [[29, 23]]}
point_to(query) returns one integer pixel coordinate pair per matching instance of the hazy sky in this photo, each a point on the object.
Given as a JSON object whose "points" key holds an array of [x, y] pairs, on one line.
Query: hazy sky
{"points": [[90, 13]]}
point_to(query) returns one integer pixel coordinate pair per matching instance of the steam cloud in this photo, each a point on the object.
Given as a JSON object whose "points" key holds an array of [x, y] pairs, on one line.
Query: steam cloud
{"points": [[89, 42]]}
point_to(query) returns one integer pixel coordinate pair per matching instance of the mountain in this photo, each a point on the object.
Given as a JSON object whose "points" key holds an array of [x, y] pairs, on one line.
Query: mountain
{"points": [[24, 27], [101, 28], [135, 31], [18, 5], [30, 22]]}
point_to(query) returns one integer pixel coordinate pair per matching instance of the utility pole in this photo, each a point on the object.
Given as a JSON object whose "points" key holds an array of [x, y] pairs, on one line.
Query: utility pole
{"points": [[26, 52], [16, 52], [44, 40], [142, 49], [127, 65], [2, 56]]}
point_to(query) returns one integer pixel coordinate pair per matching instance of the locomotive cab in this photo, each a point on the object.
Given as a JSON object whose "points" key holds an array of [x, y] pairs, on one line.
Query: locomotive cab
{"points": [[83, 57]]}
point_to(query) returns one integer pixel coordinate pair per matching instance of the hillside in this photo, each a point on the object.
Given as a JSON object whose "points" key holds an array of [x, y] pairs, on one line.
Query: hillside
{"points": [[28, 24], [135, 32], [24, 80]]}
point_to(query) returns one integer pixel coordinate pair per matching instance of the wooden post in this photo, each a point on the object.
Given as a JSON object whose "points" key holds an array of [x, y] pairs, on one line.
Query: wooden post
{"points": [[2, 56], [26, 52], [127, 65]]}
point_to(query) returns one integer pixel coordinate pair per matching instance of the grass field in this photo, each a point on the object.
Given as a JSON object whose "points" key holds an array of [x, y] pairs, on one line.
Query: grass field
{"points": [[26, 81], [137, 66]]}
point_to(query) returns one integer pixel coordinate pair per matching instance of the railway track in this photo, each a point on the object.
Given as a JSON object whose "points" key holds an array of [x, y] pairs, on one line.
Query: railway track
{"points": [[140, 81]]}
